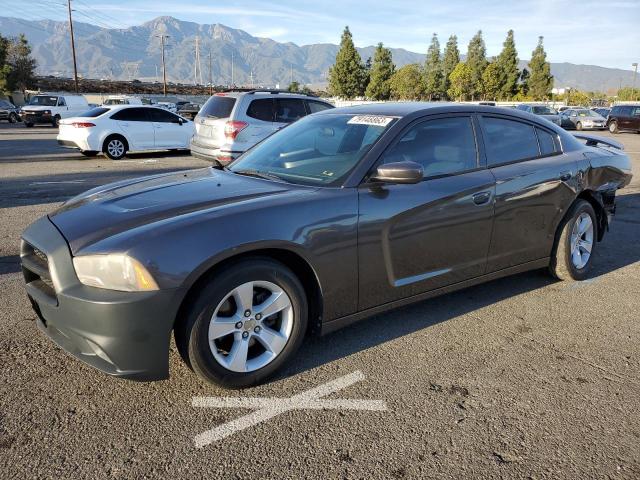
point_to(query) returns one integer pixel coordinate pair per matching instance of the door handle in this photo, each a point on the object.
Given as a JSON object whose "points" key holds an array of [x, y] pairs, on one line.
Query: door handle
{"points": [[481, 198], [566, 176]]}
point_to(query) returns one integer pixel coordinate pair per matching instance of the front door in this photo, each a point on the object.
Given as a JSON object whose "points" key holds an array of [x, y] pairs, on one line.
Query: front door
{"points": [[136, 124], [420, 237], [168, 132]]}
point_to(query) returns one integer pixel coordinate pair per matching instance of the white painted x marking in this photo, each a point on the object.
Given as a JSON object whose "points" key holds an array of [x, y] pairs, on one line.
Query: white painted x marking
{"points": [[267, 408]]}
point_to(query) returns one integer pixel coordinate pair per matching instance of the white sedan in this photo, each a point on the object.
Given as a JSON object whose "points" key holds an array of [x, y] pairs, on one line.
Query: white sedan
{"points": [[116, 130]]}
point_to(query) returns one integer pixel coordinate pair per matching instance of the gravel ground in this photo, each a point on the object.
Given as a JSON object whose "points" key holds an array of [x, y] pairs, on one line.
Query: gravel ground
{"points": [[523, 377]]}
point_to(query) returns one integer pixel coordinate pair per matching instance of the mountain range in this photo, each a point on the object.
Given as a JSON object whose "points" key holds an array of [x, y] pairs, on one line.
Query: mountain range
{"points": [[236, 56]]}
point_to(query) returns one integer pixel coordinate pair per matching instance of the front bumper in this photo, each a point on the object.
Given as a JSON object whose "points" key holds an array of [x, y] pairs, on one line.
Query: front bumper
{"points": [[213, 154], [125, 334], [36, 117]]}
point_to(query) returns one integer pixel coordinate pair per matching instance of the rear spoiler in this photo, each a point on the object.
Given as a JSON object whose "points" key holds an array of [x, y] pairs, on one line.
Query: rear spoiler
{"points": [[593, 141]]}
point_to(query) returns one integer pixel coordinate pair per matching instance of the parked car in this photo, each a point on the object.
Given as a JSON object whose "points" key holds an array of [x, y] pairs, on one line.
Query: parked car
{"points": [[121, 100], [189, 110], [230, 123], [115, 131], [343, 214], [50, 109], [543, 110], [624, 118], [9, 112], [602, 111], [582, 119], [567, 107], [167, 106]]}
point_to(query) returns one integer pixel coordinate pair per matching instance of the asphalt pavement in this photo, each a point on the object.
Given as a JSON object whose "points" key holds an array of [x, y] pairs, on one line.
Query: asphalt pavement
{"points": [[523, 377]]}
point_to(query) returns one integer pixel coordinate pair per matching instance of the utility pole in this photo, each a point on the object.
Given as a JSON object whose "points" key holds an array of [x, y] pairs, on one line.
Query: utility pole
{"points": [[635, 72], [73, 47], [197, 68], [290, 73], [210, 76], [164, 67], [232, 80]]}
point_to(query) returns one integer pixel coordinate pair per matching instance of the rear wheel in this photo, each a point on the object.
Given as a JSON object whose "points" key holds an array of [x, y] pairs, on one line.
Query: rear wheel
{"points": [[575, 243], [115, 147], [244, 324], [613, 127]]}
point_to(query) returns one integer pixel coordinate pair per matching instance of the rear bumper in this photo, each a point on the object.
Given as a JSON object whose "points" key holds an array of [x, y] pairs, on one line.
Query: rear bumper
{"points": [[124, 334], [219, 155]]}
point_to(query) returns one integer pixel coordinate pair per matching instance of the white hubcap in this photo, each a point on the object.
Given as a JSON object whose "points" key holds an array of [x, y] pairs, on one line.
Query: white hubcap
{"points": [[115, 148], [250, 326], [581, 240]]}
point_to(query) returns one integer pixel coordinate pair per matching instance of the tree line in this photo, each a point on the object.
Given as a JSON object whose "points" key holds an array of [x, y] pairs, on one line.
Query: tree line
{"points": [[17, 66], [443, 76]]}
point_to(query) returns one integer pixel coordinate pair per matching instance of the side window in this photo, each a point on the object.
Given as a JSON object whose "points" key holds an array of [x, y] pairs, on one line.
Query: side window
{"points": [[442, 146], [625, 111], [547, 144], [636, 112], [61, 102], [317, 106], [508, 140], [131, 115], [158, 115], [289, 109], [261, 109]]}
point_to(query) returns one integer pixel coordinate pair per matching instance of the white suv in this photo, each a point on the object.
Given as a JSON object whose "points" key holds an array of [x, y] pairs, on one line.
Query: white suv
{"points": [[230, 123]]}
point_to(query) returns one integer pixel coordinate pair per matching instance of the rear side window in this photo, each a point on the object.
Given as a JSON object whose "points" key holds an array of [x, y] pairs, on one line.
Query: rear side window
{"points": [[317, 106], [94, 112], [158, 115], [218, 107], [131, 115], [547, 144], [508, 140], [289, 109], [442, 146], [261, 109]]}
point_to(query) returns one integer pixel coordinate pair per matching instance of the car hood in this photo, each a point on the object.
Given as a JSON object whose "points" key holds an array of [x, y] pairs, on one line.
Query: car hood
{"points": [[112, 209]]}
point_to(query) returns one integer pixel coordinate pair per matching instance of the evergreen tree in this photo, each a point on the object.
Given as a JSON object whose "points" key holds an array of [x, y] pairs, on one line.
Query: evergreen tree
{"points": [[492, 81], [541, 81], [450, 60], [524, 82], [21, 75], [294, 87], [433, 69], [406, 83], [477, 62], [507, 65], [4, 68], [461, 81], [347, 76], [382, 70]]}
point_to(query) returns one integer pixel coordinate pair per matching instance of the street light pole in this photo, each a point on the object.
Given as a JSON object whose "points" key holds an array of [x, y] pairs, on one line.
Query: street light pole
{"points": [[73, 47]]}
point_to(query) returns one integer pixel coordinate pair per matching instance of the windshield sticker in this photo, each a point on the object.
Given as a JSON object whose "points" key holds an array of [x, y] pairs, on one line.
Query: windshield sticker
{"points": [[378, 120]]}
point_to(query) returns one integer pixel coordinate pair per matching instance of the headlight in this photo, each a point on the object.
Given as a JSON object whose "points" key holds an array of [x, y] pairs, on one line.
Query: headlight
{"points": [[115, 272]]}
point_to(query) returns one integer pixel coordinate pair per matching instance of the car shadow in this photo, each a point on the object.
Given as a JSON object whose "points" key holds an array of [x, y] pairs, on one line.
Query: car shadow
{"points": [[619, 249], [9, 264]]}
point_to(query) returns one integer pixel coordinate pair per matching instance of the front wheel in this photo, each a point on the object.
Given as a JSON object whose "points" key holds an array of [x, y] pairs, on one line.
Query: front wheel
{"points": [[13, 118], [572, 255], [244, 324], [579, 126], [613, 127]]}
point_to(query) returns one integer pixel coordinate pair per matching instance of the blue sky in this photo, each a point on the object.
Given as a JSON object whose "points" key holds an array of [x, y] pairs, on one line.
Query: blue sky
{"points": [[602, 32]]}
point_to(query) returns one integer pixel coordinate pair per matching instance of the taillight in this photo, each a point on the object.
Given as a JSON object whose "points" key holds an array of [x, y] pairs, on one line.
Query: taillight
{"points": [[83, 124], [233, 128]]}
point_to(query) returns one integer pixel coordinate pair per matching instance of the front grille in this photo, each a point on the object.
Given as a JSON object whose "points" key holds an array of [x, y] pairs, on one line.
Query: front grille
{"points": [[35, 268]]}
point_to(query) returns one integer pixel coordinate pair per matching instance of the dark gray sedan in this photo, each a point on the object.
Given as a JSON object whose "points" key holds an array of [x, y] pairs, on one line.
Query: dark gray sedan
{"points": [[343, 214]]}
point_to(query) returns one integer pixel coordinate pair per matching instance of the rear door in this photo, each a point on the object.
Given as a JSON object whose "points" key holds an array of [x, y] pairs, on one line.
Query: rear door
{"points": [[535, 184], [260, 117], [624, 118], [420, 237], [168, 131], [288, 110], [635, 118], [137, 127]]}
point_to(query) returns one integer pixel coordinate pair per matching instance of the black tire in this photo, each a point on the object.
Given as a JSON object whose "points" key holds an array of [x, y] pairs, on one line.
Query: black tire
{"points": [[28, 124], [89, 153], [109, 147], [562, 266], [579, 126], [613, 127], [13, 118], [56, 121], [191, 333]]}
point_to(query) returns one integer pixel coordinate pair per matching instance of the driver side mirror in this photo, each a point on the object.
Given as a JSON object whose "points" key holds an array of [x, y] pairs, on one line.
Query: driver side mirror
{"points": [[178, 120], [399, 172]]}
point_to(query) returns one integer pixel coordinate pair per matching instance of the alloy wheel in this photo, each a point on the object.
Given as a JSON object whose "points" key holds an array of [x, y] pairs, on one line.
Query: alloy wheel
{"points": [[250, 326], [582, 240], [115, 148]]}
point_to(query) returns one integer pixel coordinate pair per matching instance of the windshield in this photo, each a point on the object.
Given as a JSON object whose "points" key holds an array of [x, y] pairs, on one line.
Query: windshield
{"points": [[586, 113], [544, 111], [44, 101], [316, 150]]}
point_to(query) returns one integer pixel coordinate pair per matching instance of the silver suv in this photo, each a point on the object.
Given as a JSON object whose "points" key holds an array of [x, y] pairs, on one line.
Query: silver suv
{"points": [[230, 123]]}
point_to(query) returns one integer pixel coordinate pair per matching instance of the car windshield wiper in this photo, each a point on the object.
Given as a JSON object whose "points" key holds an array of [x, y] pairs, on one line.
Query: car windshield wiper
{"points": [[258, 174]]}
